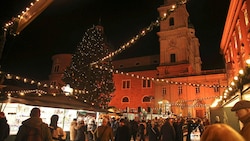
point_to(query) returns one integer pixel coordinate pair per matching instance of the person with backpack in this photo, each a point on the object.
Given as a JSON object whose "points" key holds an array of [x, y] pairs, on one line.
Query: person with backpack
{"points": [[34, 129]]}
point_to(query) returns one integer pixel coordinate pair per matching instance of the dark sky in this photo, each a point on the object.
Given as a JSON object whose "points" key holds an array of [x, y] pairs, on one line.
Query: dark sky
{"points": [[60, 28]]}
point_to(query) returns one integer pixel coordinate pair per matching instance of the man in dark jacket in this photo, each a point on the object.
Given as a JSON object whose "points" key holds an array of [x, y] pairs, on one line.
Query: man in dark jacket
{"points": [[168, 131], [105, 132], [134, 128], [34, 129], [122, 133], [5, 128], [242, 109]]}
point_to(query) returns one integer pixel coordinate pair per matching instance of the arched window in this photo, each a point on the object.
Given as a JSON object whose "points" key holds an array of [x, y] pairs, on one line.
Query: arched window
{"points": [[125, 99], [146, 99]]}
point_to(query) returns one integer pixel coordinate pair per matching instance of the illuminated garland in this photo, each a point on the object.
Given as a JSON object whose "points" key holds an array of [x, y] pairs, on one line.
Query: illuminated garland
{"points": [[227, 93], [24, 92], [236, 83], [162, 80], [10, 24], [45, 85]]}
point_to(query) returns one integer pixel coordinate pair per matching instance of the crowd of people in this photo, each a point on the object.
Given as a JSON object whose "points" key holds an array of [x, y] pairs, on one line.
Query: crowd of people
{"points": [[123, 129]]}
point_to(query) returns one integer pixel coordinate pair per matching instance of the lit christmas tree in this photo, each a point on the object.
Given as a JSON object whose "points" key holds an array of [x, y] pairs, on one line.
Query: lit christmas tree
{"points": [[95, 83]]}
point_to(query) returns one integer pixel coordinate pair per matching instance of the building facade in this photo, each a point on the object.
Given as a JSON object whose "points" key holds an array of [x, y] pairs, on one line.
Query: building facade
{"points": [[172, 82], [177, 85], [236, 51]]}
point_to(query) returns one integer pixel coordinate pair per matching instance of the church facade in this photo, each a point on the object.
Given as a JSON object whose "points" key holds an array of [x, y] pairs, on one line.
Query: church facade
{"points": [[172, 82]]}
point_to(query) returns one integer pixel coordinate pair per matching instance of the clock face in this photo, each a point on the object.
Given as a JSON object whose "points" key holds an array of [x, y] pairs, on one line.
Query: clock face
{"points": [[172, 42]]}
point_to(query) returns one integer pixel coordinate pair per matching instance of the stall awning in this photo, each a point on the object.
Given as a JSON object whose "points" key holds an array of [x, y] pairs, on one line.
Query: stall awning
{"points": [[59, 101]]}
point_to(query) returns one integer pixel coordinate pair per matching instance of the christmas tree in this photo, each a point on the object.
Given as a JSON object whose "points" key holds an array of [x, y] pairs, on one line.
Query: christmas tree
{"points": [[87, 73]]}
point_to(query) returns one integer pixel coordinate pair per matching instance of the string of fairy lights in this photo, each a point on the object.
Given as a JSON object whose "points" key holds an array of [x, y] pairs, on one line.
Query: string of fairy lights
{"points": [[128, 44], [228, 93], [10, 24], [161, 80]]}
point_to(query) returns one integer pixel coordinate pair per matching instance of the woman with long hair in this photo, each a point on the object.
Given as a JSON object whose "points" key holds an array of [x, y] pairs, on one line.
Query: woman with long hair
{"points": [[57, 132]]}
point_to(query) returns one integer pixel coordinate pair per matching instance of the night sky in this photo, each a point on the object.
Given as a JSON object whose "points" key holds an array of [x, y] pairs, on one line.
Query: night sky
{"points": [[60, 28]]}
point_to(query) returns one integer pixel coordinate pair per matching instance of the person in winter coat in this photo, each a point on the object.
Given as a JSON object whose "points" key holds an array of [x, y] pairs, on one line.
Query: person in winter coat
{"points": [[178, 126], [34, 129], [81, 131], [168, 131], [153, 132], [5, 128], [142, 130], [92, 128], [221, 132], [242, 109], [134, 129], [122, 133], [57, 132], [73, 128], [105, 132]]}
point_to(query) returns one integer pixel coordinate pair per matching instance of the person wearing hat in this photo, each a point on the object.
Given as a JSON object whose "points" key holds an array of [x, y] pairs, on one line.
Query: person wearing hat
{"points": [[242, 109], [5, 128]]}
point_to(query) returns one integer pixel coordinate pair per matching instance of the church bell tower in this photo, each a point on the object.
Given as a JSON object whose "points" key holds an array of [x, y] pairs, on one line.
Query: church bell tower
{"points": [[179, 47]]}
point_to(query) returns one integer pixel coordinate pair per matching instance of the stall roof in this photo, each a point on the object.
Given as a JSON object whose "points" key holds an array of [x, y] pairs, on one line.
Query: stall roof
{"points": [[59, 101]]}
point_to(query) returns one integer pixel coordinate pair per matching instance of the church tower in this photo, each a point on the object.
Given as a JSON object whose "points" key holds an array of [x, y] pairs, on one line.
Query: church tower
{"points": [[179, 47]]}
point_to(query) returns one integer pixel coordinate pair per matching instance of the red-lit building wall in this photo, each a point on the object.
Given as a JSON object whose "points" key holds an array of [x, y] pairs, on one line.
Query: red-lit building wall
{"points": [[236, 37], [235, 46]]}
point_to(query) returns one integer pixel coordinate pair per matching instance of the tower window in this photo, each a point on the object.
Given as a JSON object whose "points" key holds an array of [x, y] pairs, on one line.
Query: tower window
{"points": [[179, 89], [172, 58], [53, 83], [56, 68], [197, 89], [171, 21], [216, 89], [164, 91]]}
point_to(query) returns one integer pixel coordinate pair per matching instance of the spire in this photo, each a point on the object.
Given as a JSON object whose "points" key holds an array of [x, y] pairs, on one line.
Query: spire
{"points": [[169, 2], [100, 21], [99, 25]]}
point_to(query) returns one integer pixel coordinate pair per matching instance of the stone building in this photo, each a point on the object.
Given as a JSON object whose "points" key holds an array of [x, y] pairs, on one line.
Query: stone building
{"points": [[178, 84], [171, 82], [236, 51]]}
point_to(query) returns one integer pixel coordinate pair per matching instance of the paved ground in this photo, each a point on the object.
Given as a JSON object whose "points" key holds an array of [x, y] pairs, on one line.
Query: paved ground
{"points": [[146, 139], [11, 138]]}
